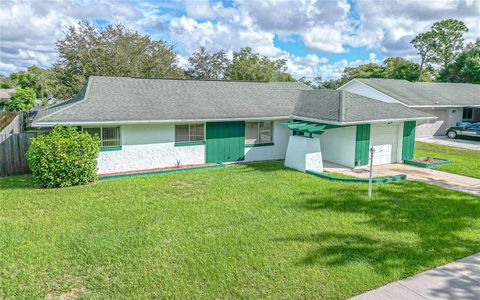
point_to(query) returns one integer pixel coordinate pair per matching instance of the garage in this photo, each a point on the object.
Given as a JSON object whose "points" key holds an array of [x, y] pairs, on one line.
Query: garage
{"points": [[433, 127], [384, 139]]}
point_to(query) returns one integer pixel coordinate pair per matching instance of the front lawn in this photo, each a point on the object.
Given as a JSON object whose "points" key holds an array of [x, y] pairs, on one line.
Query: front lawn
{"points": [[249, 231], [464, 161]]}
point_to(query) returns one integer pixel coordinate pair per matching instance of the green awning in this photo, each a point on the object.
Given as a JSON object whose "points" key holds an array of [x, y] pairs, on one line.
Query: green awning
{"points": [[308, 127]]}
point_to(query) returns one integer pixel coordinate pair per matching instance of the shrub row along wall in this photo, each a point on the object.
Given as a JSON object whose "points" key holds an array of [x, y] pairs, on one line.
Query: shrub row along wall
{"points": [[12, 153]]}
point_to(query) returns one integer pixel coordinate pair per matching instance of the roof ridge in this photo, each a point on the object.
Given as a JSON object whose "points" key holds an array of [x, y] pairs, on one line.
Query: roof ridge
{"points": [[192, 79], [87, 91]]}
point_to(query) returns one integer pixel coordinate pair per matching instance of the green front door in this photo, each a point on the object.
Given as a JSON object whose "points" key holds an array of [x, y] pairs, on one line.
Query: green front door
{"points": [[225, 141]]}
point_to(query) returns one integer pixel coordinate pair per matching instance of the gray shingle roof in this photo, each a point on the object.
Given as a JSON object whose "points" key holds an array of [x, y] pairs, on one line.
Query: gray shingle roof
{"points": [[345, 107], [123, 100], [427, 93]]}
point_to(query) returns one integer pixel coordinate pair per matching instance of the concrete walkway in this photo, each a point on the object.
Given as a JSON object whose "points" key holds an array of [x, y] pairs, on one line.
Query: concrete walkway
{"points": [[456, 280], [452, 181], [459, 143]]}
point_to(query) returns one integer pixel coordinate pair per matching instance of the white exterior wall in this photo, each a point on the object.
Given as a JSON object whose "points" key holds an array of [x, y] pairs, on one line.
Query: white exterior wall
{"points": [[276, 151], [304, 153], [152, 146], [454, 116], [148, 147], [338, 145], [359, 88], [446, 117]]}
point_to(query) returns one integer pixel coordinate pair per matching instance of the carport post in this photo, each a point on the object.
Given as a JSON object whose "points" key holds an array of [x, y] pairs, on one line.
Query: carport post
{"points": [[372, 151]]}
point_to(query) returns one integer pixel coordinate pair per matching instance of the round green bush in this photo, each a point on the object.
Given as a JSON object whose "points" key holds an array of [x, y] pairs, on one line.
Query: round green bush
{"points": [[63, 157]]}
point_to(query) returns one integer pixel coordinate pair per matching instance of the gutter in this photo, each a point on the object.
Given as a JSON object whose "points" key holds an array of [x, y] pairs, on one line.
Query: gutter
{"points": [[444, 106], [133, 122], [361, 122]]}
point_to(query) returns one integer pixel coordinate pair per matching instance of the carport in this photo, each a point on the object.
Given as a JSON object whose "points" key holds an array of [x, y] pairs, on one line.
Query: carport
{"points": [[315, 144]]}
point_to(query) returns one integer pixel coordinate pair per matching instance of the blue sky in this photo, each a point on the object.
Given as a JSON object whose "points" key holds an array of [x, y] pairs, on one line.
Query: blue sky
{"points": [[316, 37]]}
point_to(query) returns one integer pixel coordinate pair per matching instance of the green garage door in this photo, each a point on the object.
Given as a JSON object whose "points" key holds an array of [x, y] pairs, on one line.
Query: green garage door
{"points": [[225, 141]]}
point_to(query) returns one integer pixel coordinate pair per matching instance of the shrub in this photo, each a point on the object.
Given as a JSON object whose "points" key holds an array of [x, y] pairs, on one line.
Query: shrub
{"points": [[64, 157]]}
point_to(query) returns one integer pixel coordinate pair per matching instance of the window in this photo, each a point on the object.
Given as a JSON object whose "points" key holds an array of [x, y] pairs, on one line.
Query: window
{"points": [[190, 133], [109, 136], [257, 133], [467, 113]]}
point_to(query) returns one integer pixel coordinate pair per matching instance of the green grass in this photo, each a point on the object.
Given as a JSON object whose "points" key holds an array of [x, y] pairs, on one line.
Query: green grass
{"points": [[464, 161], [248, 231]]}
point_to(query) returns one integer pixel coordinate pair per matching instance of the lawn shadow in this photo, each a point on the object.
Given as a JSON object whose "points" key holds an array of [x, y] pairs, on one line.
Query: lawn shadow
{"points": [[263, 166], [454, 285], [435, 218]]}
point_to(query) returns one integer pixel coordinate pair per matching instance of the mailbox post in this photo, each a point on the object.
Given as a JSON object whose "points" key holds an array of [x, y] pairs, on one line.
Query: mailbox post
{"points": [[372, 151]]}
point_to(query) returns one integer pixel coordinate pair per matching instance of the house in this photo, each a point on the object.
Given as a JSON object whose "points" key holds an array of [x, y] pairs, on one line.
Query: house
{"points": [[154, 123], [452, 103]]}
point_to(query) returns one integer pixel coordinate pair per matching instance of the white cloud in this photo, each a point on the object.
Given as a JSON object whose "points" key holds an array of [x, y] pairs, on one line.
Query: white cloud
{"points": [[28, 30], [325, 39], [199, 9], [323, 25], [191, 34], [390, 26]]}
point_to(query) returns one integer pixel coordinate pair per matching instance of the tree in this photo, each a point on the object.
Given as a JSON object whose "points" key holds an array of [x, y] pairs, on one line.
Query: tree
{"points": [[400, 68], [392, 68], [369, 70], [113, 50], [40, 80], [314, 83], [332, 84], [448, 36], [5, 85], [22, 100], [424, 43], [247, 65], [465, 68], [442, 44], [208, 66]]}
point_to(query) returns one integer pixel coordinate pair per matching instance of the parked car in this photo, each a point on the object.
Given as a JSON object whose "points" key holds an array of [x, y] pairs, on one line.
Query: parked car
{"points": [[471, 130]]}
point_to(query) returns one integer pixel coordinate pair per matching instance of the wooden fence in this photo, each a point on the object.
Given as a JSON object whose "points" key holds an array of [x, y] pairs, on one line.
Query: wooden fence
{"points": [[12, 153]]}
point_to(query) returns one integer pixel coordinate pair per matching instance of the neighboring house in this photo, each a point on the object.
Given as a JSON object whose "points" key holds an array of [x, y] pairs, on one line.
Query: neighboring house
{"points": [[156, 123], [452, 103], [5, 95]]}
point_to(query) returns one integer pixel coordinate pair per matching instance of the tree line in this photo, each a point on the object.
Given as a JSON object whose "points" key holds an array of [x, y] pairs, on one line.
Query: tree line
{"points": [[114, 50]]}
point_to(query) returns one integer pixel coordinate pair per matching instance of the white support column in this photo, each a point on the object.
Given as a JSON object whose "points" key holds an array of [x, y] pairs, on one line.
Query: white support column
{"points": [[304, 153]]}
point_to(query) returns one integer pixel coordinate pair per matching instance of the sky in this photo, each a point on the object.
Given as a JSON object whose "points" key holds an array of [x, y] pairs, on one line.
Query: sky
{"points": [[316, 37]]}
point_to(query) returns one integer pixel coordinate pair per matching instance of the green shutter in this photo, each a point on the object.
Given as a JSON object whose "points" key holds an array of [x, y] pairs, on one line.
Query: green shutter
{"points": [[225, 141], [362, 144], [408, 146]]}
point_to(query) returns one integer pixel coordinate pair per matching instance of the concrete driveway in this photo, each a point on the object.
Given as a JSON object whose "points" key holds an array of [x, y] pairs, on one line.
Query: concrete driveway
{"points": [[443, 140], [456, 280], [452, 181]]}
